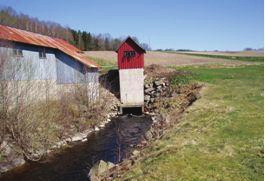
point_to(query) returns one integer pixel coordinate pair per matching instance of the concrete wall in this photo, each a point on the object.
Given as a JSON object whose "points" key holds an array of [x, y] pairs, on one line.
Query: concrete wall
{"points": [[132, 87]]}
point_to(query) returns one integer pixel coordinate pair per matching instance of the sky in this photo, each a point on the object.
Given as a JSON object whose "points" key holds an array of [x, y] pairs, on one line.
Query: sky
{"points": [[178, 24]]}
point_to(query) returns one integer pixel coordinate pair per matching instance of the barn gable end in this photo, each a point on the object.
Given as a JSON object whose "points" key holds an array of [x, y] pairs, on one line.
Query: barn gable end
{"points": [[130, 55]]}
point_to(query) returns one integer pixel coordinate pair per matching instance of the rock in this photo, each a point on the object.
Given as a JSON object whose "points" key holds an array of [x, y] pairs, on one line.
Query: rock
{"points": [[77, 137], [149, 90], [160, 90], [154, 119], [159, 87], [99, 170], [156, 95], [108, 120], [158, 83], [96, 128], [114, 107], [136, 153], [148, 135], [68, 140], [153, 92], [147, 98], [60, 143], [102, 125], [152, 100], [146, 86]]}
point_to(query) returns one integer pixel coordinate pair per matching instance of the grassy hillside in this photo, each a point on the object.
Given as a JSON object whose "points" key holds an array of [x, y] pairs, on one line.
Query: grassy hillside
{"points": [[220, 137]]}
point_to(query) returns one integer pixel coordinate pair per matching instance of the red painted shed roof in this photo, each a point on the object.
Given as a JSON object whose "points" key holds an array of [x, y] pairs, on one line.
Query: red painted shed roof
{"points": [[17, 35], [129, 39]]}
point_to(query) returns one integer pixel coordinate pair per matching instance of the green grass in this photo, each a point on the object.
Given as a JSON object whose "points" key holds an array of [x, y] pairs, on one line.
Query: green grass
{"points": [[240, 58], [180, 80], [220, 137], [105, 65]]}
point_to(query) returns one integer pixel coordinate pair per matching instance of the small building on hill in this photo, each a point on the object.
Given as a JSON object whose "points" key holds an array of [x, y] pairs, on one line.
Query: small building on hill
{"points": [[51, 65], [131, 74]]}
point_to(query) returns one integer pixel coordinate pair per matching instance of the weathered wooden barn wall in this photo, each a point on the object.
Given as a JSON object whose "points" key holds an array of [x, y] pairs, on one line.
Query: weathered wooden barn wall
{"points": [[69, 71], [30, 66], [37, 79], [131, 86], [72, 75]]}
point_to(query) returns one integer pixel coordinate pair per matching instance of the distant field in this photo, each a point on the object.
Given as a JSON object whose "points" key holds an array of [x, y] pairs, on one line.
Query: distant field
{"points": [[229, 53], [162, 58], [227, 56]]}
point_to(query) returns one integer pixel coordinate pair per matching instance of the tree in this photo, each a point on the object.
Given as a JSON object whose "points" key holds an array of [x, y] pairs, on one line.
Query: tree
{"points": [[81, 39], [248, 49], [107, 42], [145, 46]]}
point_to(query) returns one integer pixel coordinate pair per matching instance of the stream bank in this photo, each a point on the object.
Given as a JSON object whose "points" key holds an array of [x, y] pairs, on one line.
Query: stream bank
{"points": [[122, 139], [111, 144]]}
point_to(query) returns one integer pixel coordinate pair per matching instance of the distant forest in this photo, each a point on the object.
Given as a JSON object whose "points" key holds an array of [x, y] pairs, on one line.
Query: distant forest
{"points": [[81, 39]]}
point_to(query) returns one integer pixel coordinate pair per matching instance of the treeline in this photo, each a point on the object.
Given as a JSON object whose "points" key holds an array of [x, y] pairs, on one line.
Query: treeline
{"points": [[173, 50], [81, 39], [10, 17], [86, 41]]}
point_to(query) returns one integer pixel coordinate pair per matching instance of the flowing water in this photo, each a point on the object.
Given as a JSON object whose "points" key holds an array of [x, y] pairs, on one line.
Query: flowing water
{"points": [[113, 144]]}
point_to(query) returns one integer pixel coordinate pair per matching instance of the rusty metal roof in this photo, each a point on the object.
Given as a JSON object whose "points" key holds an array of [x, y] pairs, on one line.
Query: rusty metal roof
{"points": [[17, 35]]}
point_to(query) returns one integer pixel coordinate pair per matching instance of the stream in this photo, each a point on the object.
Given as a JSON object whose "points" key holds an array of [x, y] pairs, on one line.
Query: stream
{"points": [[111, 144]]}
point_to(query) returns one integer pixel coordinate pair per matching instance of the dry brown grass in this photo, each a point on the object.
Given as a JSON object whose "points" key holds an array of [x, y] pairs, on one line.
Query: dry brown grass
{"points": [[163, 58]]}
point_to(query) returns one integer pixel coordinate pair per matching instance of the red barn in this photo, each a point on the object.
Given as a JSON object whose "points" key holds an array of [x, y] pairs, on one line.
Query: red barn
{"points": [[131, 74]]}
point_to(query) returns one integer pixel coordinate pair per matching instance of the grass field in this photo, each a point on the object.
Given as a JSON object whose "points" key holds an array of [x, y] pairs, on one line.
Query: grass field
{"points": [[164, 58], [230, 57], [230, 53], [220, 137]]}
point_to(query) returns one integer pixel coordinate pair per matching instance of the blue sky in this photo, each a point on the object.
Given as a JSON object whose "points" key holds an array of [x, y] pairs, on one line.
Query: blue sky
{"points": [[191, 24]]}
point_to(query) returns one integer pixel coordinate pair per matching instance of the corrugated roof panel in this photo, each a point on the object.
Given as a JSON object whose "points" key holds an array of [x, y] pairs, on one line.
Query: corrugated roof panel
{"points": [[17, 35]]}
